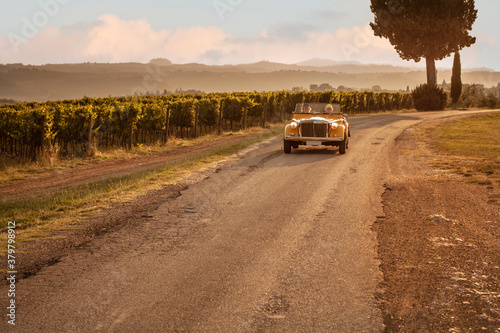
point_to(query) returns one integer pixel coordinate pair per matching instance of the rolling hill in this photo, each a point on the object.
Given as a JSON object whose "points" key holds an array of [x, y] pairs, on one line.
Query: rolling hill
{"points": [[70, 81]]}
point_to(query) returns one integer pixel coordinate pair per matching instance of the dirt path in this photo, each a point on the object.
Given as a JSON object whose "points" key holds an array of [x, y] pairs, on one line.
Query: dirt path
{"points": [[84, 174], [441, 273]]}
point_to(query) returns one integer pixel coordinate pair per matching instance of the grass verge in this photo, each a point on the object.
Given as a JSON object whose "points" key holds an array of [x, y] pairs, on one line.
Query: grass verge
{"points": [[469, 146], [36, 217]]}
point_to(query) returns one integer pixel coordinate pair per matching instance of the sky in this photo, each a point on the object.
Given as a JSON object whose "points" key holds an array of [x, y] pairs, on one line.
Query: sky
{"points": [[214, 32]]}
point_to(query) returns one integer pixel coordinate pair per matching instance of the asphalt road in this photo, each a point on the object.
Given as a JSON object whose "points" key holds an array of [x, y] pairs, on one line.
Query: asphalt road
{"points": [[273, 242]]}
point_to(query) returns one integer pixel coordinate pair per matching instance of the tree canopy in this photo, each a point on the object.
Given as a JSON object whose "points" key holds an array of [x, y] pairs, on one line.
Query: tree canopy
{"points": [[430, 29]]}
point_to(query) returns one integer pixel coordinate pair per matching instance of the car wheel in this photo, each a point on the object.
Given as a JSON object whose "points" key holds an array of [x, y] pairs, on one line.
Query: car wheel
{"points": [[343, 146], [287, 147]]}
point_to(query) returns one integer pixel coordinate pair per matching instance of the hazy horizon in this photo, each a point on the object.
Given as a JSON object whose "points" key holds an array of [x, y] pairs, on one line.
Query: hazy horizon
{"points": [[306, 62], [73, 81]]}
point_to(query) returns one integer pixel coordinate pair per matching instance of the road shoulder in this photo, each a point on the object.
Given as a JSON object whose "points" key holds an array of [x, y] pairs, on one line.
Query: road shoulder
{"points": [[438, 245]]}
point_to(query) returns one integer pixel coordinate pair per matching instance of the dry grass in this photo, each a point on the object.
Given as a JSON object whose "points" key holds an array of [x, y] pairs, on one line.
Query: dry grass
{"points": [[469, 147]]}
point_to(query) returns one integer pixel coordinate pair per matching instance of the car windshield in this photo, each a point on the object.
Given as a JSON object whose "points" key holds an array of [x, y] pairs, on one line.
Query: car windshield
{"points": [[317, 108]]}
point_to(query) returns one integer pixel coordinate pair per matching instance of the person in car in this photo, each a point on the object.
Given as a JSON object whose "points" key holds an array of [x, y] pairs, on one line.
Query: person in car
{"points": [[306, 108]]}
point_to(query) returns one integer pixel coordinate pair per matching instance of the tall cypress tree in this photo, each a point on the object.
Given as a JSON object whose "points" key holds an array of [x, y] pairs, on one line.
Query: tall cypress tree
{"points": [[456, 79], [430, 29]]}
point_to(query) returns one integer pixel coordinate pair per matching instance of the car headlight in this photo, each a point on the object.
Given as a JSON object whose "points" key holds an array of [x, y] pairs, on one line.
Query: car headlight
{"points": [[334, 126], [294, 125]]}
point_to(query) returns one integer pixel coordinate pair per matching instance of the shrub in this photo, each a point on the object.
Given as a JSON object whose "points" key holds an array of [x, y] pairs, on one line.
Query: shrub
{"points": [[429, 97], [489, 101]]}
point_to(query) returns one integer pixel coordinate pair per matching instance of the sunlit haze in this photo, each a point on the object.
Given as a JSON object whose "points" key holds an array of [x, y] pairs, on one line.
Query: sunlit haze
{"points": [[214, 32]]}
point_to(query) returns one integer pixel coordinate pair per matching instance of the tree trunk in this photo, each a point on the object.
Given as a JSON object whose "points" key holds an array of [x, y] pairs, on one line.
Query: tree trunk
{"points": [[245, 111], [90, 148], [167, 125], [195, 132], [282, 113], [431, 71], [130, 135], [221, 115], [264, 116]]}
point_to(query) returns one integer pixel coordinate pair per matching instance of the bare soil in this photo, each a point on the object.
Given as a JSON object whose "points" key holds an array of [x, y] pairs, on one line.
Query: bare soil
{"points": [[439, 244], [89, 173]]}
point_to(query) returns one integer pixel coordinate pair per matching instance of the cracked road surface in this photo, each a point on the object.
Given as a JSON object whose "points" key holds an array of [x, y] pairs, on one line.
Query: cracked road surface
{"points": [[272, 242]]}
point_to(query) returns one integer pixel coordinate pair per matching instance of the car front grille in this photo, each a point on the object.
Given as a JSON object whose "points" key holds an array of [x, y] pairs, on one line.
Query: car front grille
{"points": [[313, 130]]}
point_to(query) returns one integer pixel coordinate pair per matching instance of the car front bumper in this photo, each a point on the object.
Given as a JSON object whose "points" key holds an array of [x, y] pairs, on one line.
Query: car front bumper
{"points": [[306, 139]]}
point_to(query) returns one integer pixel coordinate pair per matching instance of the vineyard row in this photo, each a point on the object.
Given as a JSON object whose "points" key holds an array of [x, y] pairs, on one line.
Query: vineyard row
{"points": [[79, 127]]}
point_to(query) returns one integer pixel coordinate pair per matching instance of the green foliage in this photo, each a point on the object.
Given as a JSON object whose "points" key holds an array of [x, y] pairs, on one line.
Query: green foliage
{"points": [[75, 127], [430, 29], [429, 97], [456, 79], [232, 109], [489, 101], [152, 118], [475, 96], [426, 28], [182, 113], [208, 111]]}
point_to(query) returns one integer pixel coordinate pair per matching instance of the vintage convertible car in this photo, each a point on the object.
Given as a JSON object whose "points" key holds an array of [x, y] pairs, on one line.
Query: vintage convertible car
{"points": [[317, 124]]}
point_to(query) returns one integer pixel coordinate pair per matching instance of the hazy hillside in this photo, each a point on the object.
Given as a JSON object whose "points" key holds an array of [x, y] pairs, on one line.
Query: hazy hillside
{"points": [[68, 81]]}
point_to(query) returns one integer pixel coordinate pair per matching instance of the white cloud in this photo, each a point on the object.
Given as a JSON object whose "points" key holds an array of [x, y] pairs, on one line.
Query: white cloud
{"points": [[50, 45], [115, 40], [111, 39], [192, 44], [346, 44]]}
